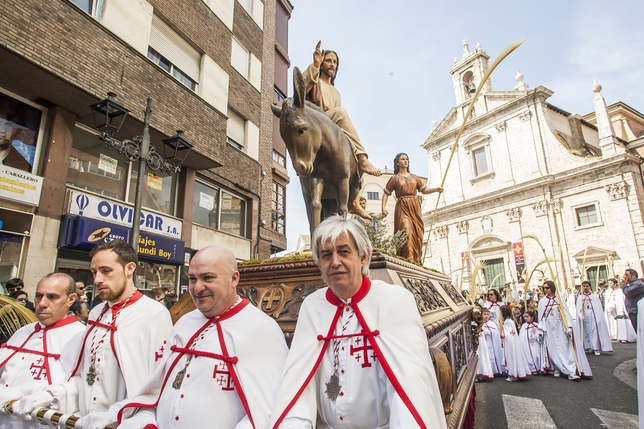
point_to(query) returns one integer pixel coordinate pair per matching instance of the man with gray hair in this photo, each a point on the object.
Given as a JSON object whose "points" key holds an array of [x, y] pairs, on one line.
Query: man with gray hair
{"points": [[43, 352], [359, 356]]}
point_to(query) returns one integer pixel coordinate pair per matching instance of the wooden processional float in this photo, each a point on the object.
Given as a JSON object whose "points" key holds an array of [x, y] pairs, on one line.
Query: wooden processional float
{"points": [[278, 289]]}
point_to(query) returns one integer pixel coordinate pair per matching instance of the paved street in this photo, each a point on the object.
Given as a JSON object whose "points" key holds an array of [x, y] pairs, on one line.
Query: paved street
{"points": [[609, 400]]}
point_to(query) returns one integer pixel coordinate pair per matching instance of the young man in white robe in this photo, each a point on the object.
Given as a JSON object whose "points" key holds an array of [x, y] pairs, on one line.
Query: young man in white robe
{"points": [[222, 363], [531, 338], [121, 348], [43, 352], [563, 351], [619, 325], [359, 356], [592, 323]]}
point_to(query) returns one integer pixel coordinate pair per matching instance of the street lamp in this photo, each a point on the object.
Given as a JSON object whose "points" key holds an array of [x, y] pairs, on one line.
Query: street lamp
{"points": [[109, 115]]}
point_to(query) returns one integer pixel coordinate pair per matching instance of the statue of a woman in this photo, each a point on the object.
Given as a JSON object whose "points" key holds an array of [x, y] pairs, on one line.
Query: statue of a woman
{"points": [[407, 216]]}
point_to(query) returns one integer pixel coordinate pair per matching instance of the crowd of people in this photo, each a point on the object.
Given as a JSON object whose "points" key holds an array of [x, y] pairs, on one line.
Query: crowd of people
{"points": [[225, 363], [551, 333]]}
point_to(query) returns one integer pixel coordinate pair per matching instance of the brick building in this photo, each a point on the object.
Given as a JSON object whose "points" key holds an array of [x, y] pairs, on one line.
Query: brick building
{"points": [[526, 167], [212, 69]]}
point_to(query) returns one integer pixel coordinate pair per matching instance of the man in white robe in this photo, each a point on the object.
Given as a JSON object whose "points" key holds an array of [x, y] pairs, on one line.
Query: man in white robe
{"points": [[619, 325], [563, 351], [122, 345], [359, 356], [591, 321], [43, 352], [223, 361]]}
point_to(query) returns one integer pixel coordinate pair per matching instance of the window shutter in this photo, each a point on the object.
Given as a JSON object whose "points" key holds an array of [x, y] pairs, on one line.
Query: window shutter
{"points": [[236, 128], [168, 43], [240, 58]]}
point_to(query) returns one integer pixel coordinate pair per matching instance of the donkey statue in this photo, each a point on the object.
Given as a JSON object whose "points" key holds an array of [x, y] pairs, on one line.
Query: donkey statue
{"points": [[321, 155]]}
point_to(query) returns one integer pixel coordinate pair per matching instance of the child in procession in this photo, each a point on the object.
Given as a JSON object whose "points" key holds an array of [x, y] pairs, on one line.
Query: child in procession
{"points": [[492, 341], [531, 339], [515, 361]]}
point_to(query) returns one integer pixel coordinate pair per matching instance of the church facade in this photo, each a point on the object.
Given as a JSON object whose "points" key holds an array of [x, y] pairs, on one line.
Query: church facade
{"points": [[533, 191]]}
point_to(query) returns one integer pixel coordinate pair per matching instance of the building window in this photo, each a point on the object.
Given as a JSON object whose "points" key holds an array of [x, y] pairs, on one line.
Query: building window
{"points": [[480, 161], [20, 133], [236, 130], [277, 157], [166, 65], [240, 59], [92, 7], [94, 168], [587, 215], [219, 210], [278, 95], [232, 218], [373, 196], [278, 208], [172, 53], [159, 192]]}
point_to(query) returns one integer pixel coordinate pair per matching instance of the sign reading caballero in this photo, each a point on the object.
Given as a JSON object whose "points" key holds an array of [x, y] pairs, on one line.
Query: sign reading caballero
{"points": [[18, 185]]}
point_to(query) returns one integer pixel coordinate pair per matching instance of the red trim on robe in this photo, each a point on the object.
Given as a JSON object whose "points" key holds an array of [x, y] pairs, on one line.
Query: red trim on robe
{"points": [[135, 297], [227, 315], [63, 322]]}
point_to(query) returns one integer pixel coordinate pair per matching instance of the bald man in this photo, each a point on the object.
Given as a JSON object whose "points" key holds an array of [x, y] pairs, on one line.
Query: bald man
{"points": [[223, 361], [43, 352]]}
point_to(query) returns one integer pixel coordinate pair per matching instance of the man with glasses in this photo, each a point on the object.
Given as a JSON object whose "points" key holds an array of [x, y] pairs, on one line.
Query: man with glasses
{"points": [[634, 291], [563, 350]]}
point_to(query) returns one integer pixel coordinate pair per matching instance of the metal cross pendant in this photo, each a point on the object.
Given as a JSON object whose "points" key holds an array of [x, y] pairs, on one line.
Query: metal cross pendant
{"points": [[333, 387], [91, 374], [179, 378]]}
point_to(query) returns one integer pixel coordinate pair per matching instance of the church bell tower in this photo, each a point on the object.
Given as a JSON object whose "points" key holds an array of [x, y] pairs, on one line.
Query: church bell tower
{"points": [[467, 74]]}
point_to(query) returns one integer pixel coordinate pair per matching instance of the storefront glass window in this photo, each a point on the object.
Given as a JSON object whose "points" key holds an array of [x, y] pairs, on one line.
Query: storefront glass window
{"points": [[95, 168], [233, 214], [19, 127], [158, 192], [150, 275], [10, 247], [205, 206]]}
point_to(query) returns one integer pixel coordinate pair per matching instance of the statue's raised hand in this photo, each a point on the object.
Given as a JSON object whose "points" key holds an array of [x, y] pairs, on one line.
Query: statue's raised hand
{"points": [[318, 55]]}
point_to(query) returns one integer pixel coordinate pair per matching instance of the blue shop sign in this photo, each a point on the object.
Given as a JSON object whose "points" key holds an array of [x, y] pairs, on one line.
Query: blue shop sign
{"points": [[87, 233]]}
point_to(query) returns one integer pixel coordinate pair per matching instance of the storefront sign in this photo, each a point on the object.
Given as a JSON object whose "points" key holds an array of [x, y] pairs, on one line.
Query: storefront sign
{"points": [[107, 164], [87, 233], [94, 207], [18, 185]]}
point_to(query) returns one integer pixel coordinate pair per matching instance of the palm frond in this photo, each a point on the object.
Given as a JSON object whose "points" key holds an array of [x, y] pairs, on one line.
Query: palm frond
{"points": [[13, 316]]}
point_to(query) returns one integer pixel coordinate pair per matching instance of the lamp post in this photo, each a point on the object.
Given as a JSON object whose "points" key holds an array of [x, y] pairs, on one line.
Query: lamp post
{"points": [[109, 115]]}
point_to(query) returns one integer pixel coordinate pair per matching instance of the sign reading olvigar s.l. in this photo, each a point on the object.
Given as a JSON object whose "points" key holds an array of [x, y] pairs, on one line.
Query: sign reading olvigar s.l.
{"points": [[95, 207]]}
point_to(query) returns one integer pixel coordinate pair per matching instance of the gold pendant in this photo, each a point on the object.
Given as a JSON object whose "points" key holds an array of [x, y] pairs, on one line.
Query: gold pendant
{"points": [[91, 374], [333, 387], [179, 378]]}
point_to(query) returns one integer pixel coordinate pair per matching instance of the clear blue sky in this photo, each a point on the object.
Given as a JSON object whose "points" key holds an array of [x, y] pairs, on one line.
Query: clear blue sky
{"points": [[395, 59]]}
